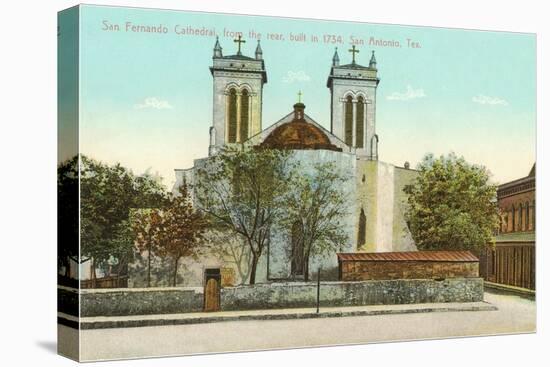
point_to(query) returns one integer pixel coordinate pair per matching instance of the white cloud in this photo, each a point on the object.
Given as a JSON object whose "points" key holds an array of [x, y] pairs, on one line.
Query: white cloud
{"points": [[296, 76], [409, 94], [482, 99], [153, 102]]}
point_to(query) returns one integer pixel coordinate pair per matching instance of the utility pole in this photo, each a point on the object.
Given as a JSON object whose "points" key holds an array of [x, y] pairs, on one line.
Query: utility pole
{"points": [[318, 287]]}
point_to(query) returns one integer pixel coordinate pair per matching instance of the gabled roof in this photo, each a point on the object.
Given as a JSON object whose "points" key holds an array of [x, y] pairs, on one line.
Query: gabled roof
{"points": [[434, 256], [533, 170], [298, 135], [262, 135]]}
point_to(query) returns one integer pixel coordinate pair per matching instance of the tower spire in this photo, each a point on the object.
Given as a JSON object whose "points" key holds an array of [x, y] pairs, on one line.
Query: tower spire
{"points": [[335, 58], [217, 48], [372, 63], [259, 52]]}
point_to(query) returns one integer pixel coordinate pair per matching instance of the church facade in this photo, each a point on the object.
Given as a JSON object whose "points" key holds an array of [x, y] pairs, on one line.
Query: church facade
{"points": [[374, 190]]}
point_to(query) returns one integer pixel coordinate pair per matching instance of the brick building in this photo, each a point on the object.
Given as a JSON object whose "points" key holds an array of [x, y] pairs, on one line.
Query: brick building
{"points": [[516, 201], [512, 261], [360, 266]]}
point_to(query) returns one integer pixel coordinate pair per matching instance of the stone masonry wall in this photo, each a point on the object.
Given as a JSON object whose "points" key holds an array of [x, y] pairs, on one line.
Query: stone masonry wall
{"points": [[140, 301], [118, 302]]}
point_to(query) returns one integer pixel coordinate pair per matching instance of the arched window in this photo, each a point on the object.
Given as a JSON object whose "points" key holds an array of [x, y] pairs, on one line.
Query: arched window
{"points": [[232, 117], [348, 122], [245, 104], [527, 216], [360, 123], [361, 232], [534, 215], [520, 218], [374, 146]]}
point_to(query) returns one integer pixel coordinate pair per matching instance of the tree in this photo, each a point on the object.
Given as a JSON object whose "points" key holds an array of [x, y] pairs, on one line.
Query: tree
{"points": [[122, 246], [145, 226], [108, 193], [452, 205], [315, 206], [231, 249], [181, 230], [241, 192], [67, 212]]}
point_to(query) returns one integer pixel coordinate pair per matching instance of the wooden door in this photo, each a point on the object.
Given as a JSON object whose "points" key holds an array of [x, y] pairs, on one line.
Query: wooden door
{"points": [[212, 295]]}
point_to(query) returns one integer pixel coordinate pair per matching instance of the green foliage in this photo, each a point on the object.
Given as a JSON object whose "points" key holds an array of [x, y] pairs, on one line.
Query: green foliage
{"points": [[225, 245], [108, 194], [249, 191], [240, 191], [452, 205], [315, 205], [174, 231], [67, 213], [146, 227], [181, 230]]}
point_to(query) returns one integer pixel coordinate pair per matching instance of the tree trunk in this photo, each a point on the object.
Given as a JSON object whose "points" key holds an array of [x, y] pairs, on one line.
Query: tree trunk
{"points": [[67, 267], [94, 275], [253, 267], [149, 268], [121, 263], [175, 279], [306, 268]]}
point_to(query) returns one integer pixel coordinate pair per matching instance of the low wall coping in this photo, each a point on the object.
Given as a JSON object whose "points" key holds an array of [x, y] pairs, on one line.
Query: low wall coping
{"points": [[312, 284], [137, 290]]}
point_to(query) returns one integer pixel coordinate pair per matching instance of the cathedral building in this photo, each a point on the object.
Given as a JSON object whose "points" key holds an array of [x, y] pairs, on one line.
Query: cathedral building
{"points": [[374, 191]]}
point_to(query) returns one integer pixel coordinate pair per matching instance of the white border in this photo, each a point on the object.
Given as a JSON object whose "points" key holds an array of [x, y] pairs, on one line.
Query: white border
{"points": [[28, 201]]}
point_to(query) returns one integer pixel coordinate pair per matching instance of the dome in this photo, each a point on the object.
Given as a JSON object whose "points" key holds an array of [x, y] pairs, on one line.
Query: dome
{"points": [[298, 134]]}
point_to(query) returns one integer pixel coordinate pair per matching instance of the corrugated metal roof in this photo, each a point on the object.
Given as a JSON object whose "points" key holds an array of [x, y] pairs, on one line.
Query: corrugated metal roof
{"points": [[457, 256]]}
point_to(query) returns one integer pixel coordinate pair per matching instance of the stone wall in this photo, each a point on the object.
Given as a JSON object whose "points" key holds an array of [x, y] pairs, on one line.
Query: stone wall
{"points": [[341, 294], [379, 192], [118, 302], [402, 237], [372, 270], [67, 300], [139, 301]]}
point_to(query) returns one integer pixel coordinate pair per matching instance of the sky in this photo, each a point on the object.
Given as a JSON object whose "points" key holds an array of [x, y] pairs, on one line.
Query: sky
{"points": [[146, 98]]}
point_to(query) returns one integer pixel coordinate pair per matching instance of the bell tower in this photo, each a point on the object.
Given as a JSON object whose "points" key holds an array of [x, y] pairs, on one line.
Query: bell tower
{"points": [[353, 103], [237, 95]]}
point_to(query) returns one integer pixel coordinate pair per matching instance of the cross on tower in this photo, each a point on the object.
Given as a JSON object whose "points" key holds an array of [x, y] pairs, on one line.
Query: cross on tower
{"points": [[353, 52], [239, 41], [299, 96]]}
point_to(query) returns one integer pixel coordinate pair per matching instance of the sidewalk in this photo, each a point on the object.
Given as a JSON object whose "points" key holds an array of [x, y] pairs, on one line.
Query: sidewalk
{"points": [[108, 322], [509, 289]]}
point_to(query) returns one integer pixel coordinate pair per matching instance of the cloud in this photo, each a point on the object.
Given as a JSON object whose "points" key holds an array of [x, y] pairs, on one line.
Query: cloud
{"points": [[482, 99], [296, 76], [409, 94], [153, 102]]}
